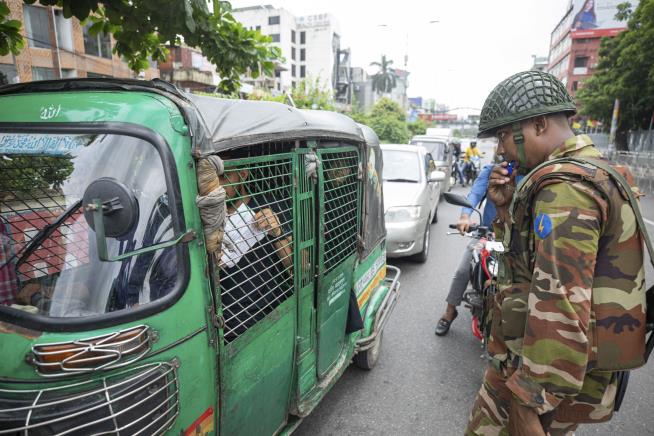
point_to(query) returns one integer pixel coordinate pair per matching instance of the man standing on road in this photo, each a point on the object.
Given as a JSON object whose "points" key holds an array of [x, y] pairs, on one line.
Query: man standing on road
{"points": [[570, 307]]}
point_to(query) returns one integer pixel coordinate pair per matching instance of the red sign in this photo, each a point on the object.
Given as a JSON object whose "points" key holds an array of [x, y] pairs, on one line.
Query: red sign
{"points": [[438, 117], [596, 33]]}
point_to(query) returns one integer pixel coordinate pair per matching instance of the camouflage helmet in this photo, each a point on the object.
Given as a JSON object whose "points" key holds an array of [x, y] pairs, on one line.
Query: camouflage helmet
{"points": [[522, 96]]}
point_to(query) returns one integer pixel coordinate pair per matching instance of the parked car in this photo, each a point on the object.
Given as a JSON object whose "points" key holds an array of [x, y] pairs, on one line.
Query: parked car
{"points": [[439, 149], [412, 189]]}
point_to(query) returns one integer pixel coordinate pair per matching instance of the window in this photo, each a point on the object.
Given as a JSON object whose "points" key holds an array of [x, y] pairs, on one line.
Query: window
{"points": [[275, 37], [40, 73], [8, 74], [581, 61], [575, 85], [293, 36], [303, 71], [293, 53], [91, 75], [293, 70], [36, 26], [278, 73], [64, 31], [303, 54], [68, 73], [303, 37], [258, 28], [98, 45], [273, 20]]}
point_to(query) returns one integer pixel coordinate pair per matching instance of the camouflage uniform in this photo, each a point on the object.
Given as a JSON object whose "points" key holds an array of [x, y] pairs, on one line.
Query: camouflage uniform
{"points": [[570, 309]]}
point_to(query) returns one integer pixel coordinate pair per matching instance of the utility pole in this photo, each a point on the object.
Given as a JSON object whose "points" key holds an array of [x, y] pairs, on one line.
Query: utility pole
{"points": [[614, 124]]}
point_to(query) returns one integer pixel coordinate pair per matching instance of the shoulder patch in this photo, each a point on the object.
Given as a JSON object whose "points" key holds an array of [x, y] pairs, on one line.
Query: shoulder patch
{"points": [[543, 225]]}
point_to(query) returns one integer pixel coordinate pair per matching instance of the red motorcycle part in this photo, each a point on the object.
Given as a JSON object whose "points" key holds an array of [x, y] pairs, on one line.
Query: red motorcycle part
{"points": [[475, 328]]}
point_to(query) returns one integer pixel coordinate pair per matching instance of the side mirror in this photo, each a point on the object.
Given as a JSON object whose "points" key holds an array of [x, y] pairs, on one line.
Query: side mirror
{"points": [[119, 209], [457, 200], [437, 176], [111, 210]]}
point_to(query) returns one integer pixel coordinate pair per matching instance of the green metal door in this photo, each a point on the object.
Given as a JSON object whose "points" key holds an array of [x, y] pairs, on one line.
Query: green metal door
{"points": [[338, 187], [258, 302]]}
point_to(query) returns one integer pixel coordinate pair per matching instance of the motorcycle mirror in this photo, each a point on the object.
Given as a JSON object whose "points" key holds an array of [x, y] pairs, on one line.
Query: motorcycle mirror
{"points": [[457, 200]]}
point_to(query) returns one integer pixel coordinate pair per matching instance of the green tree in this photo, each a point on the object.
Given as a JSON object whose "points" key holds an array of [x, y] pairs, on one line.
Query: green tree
{"points": [[385, 79], [307, 94], [144, 28], [388, 120], [625, 71], [417, 127]]}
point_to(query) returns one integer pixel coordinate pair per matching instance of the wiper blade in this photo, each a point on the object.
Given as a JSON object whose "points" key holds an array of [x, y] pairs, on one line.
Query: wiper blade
{"points": [[401, 180], [45, 233]]}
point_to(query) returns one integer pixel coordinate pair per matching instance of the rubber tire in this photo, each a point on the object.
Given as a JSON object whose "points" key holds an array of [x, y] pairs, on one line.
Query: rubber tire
{"points": [[424, 254], [434, 219], [367, 359]]}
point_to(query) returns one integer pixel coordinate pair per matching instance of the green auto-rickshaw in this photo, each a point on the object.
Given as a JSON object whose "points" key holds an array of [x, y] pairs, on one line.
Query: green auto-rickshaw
{"points": [[181, 264]]}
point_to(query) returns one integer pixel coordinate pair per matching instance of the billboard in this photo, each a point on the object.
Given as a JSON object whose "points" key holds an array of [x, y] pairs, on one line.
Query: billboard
{"points": [[593, 15]]}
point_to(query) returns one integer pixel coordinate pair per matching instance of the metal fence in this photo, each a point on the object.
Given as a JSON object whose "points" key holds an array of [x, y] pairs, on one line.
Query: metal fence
{"points": [[641, 141], [641, 164]]}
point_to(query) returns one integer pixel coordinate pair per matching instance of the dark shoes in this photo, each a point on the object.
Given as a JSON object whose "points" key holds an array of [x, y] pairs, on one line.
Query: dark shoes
{"points": [[443, 325]]}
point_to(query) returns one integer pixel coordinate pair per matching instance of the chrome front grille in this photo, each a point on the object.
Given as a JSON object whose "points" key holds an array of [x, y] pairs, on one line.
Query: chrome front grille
{"points": [[92, 354], [139, 401]]}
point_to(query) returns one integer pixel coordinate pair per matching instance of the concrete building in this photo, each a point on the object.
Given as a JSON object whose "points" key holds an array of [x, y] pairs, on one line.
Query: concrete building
{"points": [[310, 45], [56, 47], [187, 68], [575, 40], [540, 63], [399, 93], [362, 91]]}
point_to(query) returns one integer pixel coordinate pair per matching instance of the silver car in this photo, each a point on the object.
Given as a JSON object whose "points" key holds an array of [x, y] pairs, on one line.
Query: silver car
{"points": [[439, 148], [412, 189]]}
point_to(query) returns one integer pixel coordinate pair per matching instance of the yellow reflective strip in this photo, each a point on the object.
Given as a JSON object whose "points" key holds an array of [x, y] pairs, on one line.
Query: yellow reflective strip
{"points": [[365, 295]]}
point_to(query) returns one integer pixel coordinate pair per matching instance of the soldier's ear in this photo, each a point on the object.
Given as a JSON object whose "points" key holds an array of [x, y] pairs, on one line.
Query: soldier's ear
{"points": [[541, 123]]}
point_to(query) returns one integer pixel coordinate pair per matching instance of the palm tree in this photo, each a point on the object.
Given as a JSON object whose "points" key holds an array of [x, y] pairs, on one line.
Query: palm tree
{"points": [[385, 79]]}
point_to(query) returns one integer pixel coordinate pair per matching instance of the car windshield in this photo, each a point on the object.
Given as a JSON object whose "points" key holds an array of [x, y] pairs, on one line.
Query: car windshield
{"points": [[401, 166], [435, 148], [49, 262]]}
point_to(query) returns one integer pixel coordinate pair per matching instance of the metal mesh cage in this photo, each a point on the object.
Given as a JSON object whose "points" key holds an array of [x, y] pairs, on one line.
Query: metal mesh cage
{"points": [[256, 266], [340, 190], [521, 96]]}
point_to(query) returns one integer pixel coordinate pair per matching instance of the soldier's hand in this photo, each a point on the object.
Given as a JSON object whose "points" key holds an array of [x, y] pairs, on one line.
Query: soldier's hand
{"points": [[501, 185], [464, 223]]}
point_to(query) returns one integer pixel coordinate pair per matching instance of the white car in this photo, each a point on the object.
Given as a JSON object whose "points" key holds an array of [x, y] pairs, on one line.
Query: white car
{"points": [[412, 189]]}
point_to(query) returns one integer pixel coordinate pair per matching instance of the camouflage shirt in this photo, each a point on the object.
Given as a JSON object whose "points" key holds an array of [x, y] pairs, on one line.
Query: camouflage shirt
{"points": [[570, 306]]}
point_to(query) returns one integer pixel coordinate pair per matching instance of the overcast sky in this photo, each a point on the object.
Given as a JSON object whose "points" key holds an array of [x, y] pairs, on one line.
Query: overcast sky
{"points": [[458, 60]]}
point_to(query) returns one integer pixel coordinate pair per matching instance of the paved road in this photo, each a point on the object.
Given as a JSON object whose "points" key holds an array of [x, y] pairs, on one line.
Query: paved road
{"points": [[425, 385]]}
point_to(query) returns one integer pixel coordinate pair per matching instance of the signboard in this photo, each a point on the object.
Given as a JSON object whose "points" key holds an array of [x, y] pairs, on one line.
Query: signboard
{"points": [[591, 15]]}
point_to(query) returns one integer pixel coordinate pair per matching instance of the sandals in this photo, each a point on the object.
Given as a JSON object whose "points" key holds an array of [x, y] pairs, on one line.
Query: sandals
{"points": [[443, 325]]}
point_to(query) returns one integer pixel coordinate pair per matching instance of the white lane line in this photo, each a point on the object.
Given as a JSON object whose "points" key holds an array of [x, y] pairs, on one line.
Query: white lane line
{"points": [[651, 223]]}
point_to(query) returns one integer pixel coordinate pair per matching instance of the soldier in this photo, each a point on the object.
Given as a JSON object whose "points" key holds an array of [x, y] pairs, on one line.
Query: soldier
{"points": [[570, 308]]}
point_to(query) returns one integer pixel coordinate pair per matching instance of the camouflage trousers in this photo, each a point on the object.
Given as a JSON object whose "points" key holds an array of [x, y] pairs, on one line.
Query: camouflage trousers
{"points": [[490, 412]]}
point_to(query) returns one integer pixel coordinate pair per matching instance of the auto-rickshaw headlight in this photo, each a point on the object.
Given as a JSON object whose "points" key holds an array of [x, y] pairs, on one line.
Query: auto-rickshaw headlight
{"points": [[106, 351]]}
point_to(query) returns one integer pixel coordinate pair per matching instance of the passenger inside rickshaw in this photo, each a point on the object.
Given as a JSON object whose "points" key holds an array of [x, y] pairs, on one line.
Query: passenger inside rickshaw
{"points": [[256, 264]]}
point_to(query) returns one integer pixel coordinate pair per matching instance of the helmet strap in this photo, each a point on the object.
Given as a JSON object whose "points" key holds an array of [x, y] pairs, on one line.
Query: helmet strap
{"points": [[519, 140]]}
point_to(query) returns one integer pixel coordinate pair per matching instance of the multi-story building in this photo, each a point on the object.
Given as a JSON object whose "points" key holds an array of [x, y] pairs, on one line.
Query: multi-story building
{"points": [[187, 68], [540, 63], [309, 44], [57, 47], [575, 40]]}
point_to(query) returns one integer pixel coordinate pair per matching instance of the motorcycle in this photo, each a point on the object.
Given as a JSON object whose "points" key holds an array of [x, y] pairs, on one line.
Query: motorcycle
{"points": [[483, 271], [472, 169]]}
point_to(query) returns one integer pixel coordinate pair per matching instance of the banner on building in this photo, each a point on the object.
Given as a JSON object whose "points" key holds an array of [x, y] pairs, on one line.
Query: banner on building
{"points": [[593, 18]]}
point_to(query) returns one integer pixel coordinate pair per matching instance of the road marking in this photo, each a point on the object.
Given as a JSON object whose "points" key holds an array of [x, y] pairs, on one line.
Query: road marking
{"points": [[651, 223]]}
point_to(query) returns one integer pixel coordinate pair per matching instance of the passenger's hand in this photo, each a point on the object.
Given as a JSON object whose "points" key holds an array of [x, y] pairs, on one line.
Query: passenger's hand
{"points": [[464, 223], [266, 220], [501, 185]]}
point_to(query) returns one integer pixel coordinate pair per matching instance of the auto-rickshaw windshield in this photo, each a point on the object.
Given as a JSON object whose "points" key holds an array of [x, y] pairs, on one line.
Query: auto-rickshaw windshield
{"points": [[49, 263]]}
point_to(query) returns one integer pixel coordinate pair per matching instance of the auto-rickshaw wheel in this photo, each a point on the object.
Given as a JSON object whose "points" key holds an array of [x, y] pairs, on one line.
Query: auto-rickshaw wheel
{"points": [[368, 358]]}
